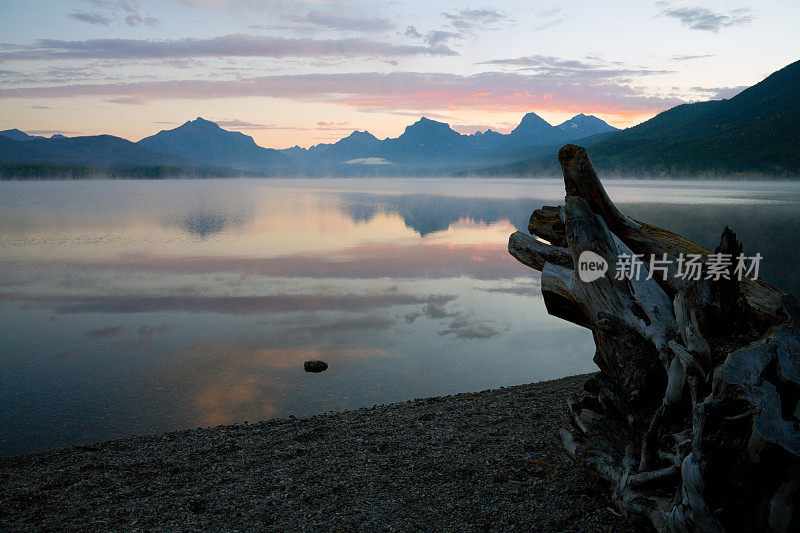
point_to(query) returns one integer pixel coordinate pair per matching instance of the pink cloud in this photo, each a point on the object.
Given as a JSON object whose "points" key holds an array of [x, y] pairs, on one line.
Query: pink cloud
{"points": [[487, 91], [237, 124], [481, 261]]}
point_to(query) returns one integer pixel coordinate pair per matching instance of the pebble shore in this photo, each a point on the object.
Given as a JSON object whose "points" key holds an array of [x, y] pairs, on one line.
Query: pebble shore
{"points": [[486, 461]]}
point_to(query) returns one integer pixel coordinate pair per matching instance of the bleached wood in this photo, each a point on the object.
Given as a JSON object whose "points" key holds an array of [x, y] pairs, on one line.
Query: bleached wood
{"points": [[693, 418]]}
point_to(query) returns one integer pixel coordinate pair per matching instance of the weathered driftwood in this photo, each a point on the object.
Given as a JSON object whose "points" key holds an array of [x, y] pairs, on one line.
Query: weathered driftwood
{"points": [[693, 418]]}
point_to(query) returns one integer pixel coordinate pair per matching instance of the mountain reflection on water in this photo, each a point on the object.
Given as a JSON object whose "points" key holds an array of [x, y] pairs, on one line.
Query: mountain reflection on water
{"points": [[139, 306]]}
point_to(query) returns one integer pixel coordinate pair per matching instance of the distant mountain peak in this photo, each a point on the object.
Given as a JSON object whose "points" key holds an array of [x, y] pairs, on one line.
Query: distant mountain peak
{"points": [[427, 126], [533, 118], [360, 135], [203, 123], [532, 129], [530, 115], [204, 140], [531, 122], [427, 122], [357, 139], [17, 135], [584, 125]]}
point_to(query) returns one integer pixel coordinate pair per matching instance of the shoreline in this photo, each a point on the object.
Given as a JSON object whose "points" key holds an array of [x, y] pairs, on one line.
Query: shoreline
{"points": [[470, 461]]}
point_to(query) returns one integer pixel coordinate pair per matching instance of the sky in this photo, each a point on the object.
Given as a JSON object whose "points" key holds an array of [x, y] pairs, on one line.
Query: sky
{"points": [[310, 71]]}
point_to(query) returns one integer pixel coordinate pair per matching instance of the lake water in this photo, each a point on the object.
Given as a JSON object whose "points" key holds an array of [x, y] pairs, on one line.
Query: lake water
{"points": [[130, 307]]}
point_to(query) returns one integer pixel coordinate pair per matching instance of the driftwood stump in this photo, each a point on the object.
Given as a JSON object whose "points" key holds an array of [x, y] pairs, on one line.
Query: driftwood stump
{"points": [[693, 417]]}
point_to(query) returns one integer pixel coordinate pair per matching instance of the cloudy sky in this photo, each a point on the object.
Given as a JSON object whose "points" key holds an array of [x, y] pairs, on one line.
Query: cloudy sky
{"points": [[304, 72]]}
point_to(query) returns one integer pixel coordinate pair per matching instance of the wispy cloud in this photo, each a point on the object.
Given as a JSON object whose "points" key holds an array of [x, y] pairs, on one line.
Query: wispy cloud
{"points": [[256, 4], [704, 19], [230, 305], [49, 132], [690, 57], [594, 69], [235, 45], [328, 20], [411, 31], [716, 93], [242, 124], [90, 18], [236, 124], [132, 16], [439, 37], [54, 74], [128, 100], [434, 37], [550, 18], [122, 11], [334, 125], [414, 114], [467, 20]]}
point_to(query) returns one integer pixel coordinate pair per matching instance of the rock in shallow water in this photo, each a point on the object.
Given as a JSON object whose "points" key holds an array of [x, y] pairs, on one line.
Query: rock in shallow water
{"points": [[315, 366]]}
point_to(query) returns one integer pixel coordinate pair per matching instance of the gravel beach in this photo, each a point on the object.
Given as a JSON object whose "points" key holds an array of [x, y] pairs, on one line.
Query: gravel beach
{"points": [[482, 461]]}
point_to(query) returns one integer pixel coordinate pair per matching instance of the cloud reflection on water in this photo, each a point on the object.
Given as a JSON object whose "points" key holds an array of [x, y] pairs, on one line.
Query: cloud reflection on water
{"points": [[231, 305], [371, 260], [149, 306], [227, 382]]}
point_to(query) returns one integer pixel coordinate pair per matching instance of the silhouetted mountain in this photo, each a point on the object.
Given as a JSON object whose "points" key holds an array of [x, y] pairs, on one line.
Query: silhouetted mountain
{"points": [[204, 141], [424, 142], [755, 132], [18, 135], [425, 147], [582, 125], [355, 145], [533, 130], [301, 156], [98, 150], [671, 118], [358, 144], [331, 159], [429, 146], [487, 141]]}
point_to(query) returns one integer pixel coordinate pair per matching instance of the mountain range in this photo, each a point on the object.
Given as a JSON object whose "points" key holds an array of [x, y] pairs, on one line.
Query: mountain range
{"points": [[755, 132], [429, 146], [199, 145], [425, 147]]}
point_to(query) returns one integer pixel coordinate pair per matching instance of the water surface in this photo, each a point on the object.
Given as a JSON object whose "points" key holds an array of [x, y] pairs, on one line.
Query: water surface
{"points": [[131, 307]]}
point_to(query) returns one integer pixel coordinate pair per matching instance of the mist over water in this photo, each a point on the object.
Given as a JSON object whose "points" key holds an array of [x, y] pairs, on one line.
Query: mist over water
{"points": [[132, 307]]}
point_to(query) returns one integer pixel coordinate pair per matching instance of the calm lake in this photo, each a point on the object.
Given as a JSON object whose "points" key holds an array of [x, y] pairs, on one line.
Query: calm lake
{"points": [[130, 307]]}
